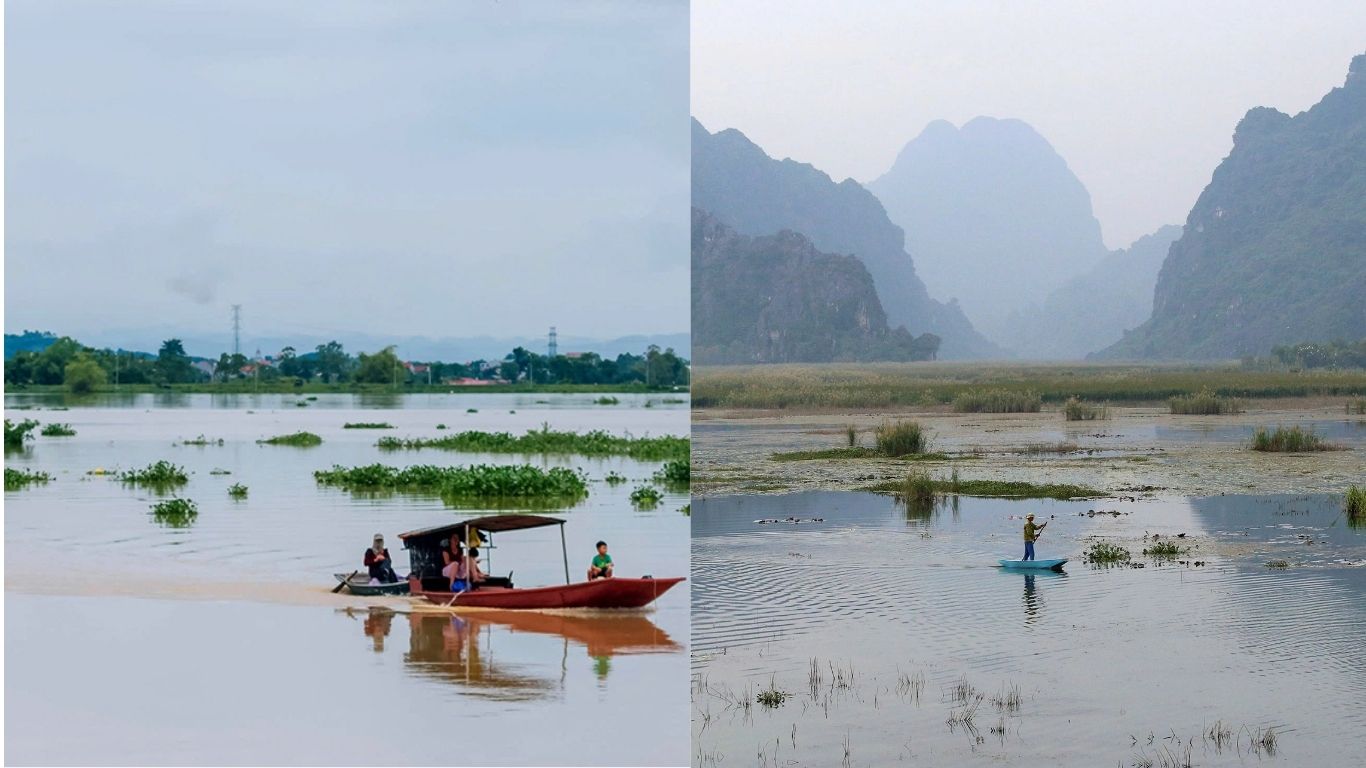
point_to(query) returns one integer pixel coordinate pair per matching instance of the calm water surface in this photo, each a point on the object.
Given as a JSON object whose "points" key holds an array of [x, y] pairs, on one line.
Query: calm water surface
{"points": [[220, 643], [885, 627]]}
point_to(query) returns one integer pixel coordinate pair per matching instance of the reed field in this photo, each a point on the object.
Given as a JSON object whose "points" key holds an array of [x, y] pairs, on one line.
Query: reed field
{"points": [[937, 384]]}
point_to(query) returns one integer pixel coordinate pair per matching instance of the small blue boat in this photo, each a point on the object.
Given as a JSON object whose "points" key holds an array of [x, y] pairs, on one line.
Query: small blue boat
{"points": [[1030, 565]]}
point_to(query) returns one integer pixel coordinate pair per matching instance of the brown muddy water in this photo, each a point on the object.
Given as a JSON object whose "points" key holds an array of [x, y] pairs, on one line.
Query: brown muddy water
{"points": [[130, 642], [895, 639]]}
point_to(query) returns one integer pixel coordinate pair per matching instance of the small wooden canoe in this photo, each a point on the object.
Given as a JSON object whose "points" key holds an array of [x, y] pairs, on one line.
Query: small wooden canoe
{"points": [[1030, 565], [618, 592], [360, 585]]}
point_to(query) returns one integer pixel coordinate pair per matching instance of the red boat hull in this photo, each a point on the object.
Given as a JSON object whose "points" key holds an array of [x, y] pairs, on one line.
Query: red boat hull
{"points": [[599, 593]]}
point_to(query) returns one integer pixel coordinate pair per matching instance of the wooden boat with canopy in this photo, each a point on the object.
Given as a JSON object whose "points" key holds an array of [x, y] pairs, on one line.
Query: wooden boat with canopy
{"points": [[425, 580]]}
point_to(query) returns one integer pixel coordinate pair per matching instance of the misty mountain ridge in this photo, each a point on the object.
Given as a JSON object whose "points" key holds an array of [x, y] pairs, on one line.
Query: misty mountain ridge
{"points": [[1274, 250], [994, 217], [735, 181], [777, 299]]}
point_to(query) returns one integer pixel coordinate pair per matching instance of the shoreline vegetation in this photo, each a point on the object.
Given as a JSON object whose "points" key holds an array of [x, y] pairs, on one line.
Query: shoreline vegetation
{"points": [[246, 387], [546, 440], [940, 384], [480, 481]]}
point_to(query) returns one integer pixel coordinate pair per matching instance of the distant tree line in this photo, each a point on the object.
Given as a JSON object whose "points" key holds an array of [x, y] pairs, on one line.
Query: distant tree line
{"points": [[1334, 354], [67, 362]]}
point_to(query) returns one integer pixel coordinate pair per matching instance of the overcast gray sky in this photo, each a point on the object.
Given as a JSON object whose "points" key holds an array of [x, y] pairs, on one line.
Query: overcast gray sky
{"points": [[1140, 98], [437, 168]]}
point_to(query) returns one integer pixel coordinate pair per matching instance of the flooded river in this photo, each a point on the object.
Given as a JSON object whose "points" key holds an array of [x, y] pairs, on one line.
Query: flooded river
{"points": [[886, 636], [219, 642]]}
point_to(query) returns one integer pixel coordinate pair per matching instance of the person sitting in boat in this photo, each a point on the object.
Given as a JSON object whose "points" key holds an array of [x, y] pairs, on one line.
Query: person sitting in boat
{"points": [[1031, 534], [601, 567], [476, 573], [377, 560], [454, 570]]}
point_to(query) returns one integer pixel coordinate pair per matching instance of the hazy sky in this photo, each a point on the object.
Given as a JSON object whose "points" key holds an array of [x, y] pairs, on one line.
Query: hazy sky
{"points": [[438, 168], [1140, 98]]}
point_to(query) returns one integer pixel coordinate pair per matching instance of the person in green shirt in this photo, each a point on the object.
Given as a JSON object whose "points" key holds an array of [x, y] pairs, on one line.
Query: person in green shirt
{"points": [[1031, 533], [602, 564]]}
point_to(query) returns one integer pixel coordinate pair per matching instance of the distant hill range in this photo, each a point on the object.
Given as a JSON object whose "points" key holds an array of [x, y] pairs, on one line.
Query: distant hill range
{"points": [[743, 188], [995, 219], [1093, 310], [1274, 251], [776, 299], [448, 349]]}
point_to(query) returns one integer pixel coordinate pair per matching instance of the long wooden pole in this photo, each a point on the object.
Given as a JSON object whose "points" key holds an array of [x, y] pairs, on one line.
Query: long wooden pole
{"points": [[564, 550]]}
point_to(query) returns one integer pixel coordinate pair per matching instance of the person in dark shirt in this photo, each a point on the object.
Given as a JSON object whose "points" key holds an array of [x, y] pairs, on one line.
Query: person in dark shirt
{"points": [[377, 561]]}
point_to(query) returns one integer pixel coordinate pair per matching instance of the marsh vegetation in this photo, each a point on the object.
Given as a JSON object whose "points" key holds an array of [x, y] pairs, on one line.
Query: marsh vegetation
{"points": [[1206, 402], [160, 474], [1294, 439], [55, 429], [175, 512], [548, 441], [480, 481], [1076, 409], [297, 439], [18, 479]]}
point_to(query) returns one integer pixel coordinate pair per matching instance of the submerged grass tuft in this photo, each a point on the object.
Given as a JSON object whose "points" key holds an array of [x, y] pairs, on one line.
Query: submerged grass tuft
{"points": [[771, 697], [901, 438], [1162, 549], [237, 491], [1076, 409], [1205, 403], [1103, 552], [1294, 439], [1354, 504]]}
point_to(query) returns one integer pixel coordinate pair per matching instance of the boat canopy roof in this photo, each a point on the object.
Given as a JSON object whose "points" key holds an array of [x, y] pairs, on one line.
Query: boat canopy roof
{"points": [[491, 523]]}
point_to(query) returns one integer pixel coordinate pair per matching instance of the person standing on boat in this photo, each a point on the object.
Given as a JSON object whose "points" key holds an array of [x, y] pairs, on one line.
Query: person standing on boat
{"points": [[601, 567], [1031, 534], [377, 560]]}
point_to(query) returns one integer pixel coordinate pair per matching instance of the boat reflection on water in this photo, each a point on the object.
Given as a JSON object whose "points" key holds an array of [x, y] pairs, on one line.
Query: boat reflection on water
{"points": [[486, 654], [1033, 595]]}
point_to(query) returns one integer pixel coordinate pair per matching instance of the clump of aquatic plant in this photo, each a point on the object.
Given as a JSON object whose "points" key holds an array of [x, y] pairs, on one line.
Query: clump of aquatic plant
{"points": [[546, 440], [55, 429], [851, 435], [367, 425], [1260, 740], [472, 482], [1035, 449], [17, 479], [686, 509], [16, 434], [301, 404], [1007, 699], [918, 489], [471, 410], [646, 496], [771, 696], [856, 452], [1294, 439], [1163, 549], [175, 513], [237, 491], [311, 398], [1205, 403], [675, 472], [219, 471], [614, 478], [440, 426], [161, 474], [607, 400], [901, 438], [1076, 409], [298, 440], [1000, 488], [202, 440], [1102, 552], [1354, 504], [1278, 564], [996, 401]]}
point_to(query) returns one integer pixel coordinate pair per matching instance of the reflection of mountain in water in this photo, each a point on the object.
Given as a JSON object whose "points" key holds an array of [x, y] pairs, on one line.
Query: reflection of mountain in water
{"points": [[471, 649]]}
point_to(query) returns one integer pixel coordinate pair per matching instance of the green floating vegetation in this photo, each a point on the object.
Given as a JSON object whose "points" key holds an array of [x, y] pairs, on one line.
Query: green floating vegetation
{"points": [[175, 513], [161, 474], [1076, 409], [607, 400], [675, 472], [546, 440], [1205, 403], [996, 401], [828, 453], [298, 439], [480, 481], [1162, 549], [57, 430], [686, 509], [614, 478], [202, 440], [1278, 564], [1354, 504], [471, 410], [16, 434], [18, 479], [301, 404], [368, 425], [440, 426], [998, 488], [646, 497], [217, 471], [1289, 440], [771, 697], [901, 438], [237, 491], [1103, 552]]}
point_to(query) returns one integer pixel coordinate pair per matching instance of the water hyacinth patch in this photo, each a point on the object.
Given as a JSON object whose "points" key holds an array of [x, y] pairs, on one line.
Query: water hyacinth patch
{"points": [[175, 513], [159, 474], [675, 473], [237, 491], [480, 481], [646, 497], [546, 440], [16, 434], [367, 425], [57, 430], [298, 440], [17, 479]]}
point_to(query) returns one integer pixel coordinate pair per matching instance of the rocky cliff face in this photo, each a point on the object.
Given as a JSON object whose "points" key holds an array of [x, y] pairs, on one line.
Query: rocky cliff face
{"points": [[994, 217], [745, 189], [776, 299], [1274, 251]]}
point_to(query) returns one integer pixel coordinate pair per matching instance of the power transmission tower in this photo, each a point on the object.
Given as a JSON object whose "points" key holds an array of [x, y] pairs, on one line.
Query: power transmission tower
{"points": [[237, 329], [554, 349]]}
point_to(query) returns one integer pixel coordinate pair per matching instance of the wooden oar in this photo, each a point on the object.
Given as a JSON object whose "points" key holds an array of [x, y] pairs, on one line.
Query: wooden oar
{"points": [[345, 582]]}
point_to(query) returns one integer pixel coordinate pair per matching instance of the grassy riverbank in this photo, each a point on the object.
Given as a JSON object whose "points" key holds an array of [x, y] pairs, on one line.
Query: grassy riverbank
{"points": [[934, 384], [246, 387]]}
